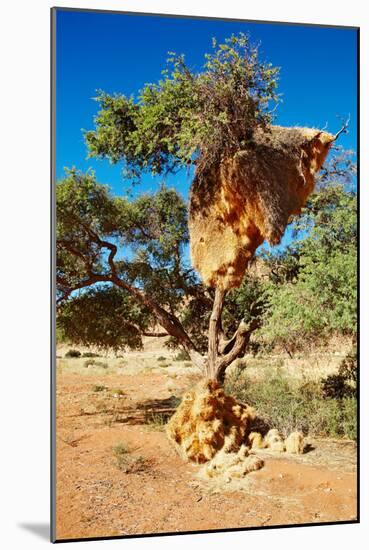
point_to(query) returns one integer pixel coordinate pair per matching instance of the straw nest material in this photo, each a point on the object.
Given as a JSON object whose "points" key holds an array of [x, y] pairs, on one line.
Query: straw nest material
{"points": [[273, 441], [250, 198], [207, 421], [232, 465]]}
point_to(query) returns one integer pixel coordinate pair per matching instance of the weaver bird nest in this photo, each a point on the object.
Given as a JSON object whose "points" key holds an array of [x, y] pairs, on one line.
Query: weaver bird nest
{"points": [[251, 197]]}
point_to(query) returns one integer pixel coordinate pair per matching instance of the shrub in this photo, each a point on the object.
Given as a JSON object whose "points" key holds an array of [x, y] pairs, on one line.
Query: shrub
{"points": [[101, 364], [349, 420], [98, 388], [157, 421], [182, 355], [127, 462], [90, 354], [120, 449], [343, 384], [117, 392], [288, 405], [73, 353], [161, 358]]}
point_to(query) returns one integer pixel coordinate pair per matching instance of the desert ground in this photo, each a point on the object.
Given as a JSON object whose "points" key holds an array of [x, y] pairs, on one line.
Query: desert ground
{"points": [[117, 473]]}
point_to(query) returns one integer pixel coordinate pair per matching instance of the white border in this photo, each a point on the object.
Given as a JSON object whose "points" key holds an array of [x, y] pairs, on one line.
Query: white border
{"points": [[24, 35]]}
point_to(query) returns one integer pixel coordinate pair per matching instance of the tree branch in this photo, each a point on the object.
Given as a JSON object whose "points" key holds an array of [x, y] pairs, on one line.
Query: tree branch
{"points": [[167, 320], [91, 280], [155, 334], [237, 346], [343, 129]]}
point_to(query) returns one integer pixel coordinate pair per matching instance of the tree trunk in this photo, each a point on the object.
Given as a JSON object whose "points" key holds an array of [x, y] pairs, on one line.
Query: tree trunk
{"points": [[222, 353], [211, 367]]}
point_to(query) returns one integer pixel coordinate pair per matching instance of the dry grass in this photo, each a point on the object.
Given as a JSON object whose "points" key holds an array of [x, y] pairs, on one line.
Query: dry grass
{"points": [[127, 462]]}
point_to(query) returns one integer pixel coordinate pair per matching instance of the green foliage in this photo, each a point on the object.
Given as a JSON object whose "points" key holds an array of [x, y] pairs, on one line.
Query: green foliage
{"points": [[349, 417], [98, 388], [182, 356], [90, 354], [248, 302], [73, 353], [304, 293], [148, 233], [94, 363], [289, 405], [120, 449], [188, 116], [313, 290], [105, 317], [152, 228]]}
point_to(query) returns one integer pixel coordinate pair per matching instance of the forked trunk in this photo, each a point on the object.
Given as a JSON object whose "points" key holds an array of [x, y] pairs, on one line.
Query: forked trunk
{"points": [[207, 419]]}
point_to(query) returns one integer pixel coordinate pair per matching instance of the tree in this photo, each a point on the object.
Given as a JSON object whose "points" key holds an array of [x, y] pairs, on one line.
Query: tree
{"points": [[312, 292], [185, 119], [188, 118], [126, 257], [126, 260], [135, 246]]}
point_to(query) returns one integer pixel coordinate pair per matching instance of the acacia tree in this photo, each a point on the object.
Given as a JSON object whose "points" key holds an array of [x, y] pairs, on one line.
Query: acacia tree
{"points": [[126, 259], [109, 243], [188, 118], [185, 119]]}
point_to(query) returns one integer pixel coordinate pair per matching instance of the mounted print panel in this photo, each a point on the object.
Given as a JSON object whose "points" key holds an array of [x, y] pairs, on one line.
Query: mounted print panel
{"points": [[205, 237]]}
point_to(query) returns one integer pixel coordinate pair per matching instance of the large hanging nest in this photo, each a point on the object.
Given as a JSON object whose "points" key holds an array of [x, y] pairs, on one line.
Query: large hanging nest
{"points": [[251, 197]]}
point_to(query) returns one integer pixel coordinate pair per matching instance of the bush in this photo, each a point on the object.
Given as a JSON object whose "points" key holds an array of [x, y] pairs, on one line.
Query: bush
{"points": [[73, 353], [92, 362], [156, 421], [288, 405], [98, 388], [127, 462], [162, 358], [343, 384], [117, 392], [182, 355], [90, 354], [350, 417]]}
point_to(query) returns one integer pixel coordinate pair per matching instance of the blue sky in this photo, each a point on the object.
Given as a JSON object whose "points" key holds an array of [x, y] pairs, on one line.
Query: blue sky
{"points": [[120, 53]]}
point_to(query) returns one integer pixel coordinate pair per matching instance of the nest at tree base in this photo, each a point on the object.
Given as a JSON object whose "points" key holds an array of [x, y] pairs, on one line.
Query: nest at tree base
{"points": [[250, 198], [213, 428], [208, 420]]}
